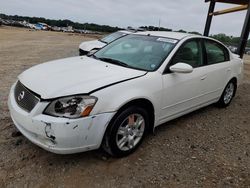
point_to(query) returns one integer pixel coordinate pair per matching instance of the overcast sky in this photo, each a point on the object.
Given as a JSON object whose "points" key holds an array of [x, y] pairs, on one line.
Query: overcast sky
{"points": [[189, 15]]}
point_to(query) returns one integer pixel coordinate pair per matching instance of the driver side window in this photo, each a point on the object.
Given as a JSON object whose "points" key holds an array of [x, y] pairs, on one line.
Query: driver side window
{"points": [[189, 53]]}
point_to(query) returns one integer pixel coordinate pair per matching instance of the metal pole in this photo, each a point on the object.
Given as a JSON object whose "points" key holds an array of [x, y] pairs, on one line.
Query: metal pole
{"points": [[159, 25], [209, 18], [244, 34]]}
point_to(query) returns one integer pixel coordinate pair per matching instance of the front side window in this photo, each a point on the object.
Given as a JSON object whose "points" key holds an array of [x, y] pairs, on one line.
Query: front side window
{"points": [[189, 53], [137, 51], [216, 53]]}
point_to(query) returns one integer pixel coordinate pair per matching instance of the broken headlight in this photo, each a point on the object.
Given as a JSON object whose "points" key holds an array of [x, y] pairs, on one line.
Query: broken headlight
{"points": [[71, 107]]}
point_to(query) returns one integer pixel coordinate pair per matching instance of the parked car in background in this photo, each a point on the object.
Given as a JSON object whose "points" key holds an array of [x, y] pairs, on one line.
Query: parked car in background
{"points": [[86, 47], [233, 49], [114, 97], [247, 50]]}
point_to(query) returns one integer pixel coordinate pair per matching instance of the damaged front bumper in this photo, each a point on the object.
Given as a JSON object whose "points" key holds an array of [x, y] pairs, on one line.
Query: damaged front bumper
{"points": [[59, 135]]}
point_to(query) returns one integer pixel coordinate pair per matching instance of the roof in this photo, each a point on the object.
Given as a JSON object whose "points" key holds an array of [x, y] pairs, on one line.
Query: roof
{"points": [[238, 2], [167, 34]]}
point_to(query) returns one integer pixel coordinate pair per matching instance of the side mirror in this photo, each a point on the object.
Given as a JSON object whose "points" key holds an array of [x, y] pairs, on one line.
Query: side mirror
{"points": [[181, 68]]}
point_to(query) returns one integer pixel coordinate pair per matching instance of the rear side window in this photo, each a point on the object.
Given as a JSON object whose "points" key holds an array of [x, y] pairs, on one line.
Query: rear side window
{"points": [[216, 53]]}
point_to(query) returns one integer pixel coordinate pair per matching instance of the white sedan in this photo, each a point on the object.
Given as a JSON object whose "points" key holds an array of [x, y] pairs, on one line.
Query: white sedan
{"points": [[88, 46], [114, 97]]}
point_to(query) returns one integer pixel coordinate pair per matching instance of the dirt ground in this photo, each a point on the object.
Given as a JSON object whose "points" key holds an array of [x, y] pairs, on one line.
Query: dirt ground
{"points": [[207, 148]]}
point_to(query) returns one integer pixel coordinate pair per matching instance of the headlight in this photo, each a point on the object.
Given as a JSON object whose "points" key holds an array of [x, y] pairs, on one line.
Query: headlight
{"points": [[71, 107]]}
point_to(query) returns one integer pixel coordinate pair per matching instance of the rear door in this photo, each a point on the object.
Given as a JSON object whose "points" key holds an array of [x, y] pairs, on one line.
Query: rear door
{"points": [[217, 70]]}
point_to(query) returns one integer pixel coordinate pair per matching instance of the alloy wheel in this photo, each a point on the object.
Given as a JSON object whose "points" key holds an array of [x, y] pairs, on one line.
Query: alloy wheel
{"points": [[229, 92], [130, 132]]}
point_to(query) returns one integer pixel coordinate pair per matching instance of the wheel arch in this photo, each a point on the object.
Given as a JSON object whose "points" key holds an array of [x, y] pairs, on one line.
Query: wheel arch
{"points": [[144, 103], [234, 80]]}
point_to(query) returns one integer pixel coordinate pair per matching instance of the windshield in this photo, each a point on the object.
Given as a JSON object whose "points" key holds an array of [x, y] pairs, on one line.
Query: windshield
{"points": [[110, 38], [137, 51]]}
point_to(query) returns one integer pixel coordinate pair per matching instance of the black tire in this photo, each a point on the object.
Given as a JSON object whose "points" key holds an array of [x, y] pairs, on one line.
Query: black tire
{"points": [[110, 144], [222, 103]]}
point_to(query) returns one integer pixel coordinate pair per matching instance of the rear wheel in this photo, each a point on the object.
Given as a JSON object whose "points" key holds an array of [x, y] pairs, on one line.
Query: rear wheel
{"points": [[227, 94], [126, 131]]}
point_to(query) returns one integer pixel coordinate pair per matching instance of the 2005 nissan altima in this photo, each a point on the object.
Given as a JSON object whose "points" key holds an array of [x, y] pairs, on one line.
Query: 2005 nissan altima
{"points": [[114, 97]]}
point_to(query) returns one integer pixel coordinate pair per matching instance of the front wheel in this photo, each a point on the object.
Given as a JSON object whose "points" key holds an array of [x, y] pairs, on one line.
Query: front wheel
{"points": [[126, 132], [228, 94]]}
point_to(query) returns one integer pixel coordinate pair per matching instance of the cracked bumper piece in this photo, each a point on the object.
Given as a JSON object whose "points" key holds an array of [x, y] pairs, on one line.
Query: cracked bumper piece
{"points": [[59, 135]]}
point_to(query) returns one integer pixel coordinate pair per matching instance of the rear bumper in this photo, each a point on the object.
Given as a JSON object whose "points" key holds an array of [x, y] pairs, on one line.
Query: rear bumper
{"points": [[59, 135]]}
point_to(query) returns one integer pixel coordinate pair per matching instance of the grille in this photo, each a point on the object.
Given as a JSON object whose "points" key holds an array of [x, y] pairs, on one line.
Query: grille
{"points": [[25, 98]]}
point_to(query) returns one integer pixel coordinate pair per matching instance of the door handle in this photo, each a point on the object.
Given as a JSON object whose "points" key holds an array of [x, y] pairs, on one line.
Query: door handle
{"points": [[204, 77]]}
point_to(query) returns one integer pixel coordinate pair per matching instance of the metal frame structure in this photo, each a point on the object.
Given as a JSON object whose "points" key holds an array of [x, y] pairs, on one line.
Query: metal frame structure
{"points": [[242, 5]]}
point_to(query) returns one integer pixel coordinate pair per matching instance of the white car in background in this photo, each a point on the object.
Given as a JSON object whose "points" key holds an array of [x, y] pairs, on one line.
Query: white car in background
{"points": [[126, 89], [86, 47]]}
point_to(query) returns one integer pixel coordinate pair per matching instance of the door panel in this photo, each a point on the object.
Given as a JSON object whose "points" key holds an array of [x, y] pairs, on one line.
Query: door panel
{"points": [[217, 69], [182, 92], [215, 81]]}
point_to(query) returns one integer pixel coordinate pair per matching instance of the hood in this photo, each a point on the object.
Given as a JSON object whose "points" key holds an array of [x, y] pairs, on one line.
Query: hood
{"points": [[76, 75], [90, 45]]}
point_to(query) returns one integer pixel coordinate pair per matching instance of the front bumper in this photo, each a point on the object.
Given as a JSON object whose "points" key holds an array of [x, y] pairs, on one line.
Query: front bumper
{"points": [[59, 135]]}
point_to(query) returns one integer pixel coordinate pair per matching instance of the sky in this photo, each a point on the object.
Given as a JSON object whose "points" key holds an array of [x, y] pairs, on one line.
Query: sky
{"points": [[189, 15]]}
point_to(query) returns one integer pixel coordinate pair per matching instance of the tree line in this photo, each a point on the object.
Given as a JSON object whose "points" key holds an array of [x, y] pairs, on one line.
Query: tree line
{"points": [[228, 40]]}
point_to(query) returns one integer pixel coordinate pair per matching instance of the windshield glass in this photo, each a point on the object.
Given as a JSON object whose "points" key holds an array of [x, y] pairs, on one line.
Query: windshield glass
{"points": [[110, 38], [137, 51]]}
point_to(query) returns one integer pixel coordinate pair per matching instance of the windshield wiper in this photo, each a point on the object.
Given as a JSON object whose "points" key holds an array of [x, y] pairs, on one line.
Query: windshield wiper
{"points": [[92, 55], [113, 61]]}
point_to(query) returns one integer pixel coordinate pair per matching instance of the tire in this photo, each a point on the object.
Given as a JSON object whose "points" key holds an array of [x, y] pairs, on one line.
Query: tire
{"points": [[126, 131], [228, 94]]}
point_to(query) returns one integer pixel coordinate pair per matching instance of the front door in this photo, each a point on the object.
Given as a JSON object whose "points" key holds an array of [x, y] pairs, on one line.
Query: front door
{"points": [[182, 91]]}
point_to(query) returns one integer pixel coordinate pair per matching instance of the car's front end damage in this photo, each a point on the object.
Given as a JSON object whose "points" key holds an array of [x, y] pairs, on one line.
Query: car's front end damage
{"points": [[57, 134]]}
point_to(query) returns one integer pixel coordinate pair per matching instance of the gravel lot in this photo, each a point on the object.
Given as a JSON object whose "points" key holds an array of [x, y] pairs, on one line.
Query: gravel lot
{"points": [[207, 148]]}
